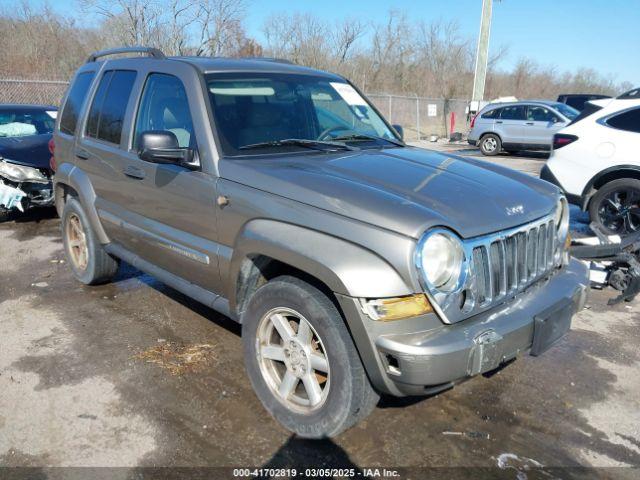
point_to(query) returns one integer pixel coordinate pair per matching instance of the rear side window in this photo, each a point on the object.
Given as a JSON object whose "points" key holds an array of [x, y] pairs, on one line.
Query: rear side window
{"points": [[109, 105], [75, 99], [628, 121], [516, 112]]}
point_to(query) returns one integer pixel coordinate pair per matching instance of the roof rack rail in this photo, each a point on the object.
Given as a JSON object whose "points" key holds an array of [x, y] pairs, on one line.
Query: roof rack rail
{"points": [[269, 59], [152, 52]]}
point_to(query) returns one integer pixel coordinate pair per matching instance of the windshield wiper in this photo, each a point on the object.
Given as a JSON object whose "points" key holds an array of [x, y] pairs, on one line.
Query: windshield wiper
{"points": [[362, 136], [313, 144]]}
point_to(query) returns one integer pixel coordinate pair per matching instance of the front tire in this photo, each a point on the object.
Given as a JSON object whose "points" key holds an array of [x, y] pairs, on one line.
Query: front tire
{"points": [[490, 145], [616, 207], [302, 362], [89, 262]]}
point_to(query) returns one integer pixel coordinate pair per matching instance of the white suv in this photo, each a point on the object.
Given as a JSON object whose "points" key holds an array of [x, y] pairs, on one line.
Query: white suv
{"points": [[596, 161]]}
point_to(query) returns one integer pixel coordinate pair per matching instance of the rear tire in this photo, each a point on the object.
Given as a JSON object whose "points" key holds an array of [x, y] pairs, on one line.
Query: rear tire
{"points": [[616, 207], [343, 394], [490, 145], [89, 262]]}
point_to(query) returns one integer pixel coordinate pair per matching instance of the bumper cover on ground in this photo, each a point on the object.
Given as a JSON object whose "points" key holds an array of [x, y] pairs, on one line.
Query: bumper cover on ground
{"points": [[419, 360]]}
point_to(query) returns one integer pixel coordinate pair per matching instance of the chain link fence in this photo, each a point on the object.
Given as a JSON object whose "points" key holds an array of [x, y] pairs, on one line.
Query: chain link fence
{"points": [[420, 117], [45, 92]]}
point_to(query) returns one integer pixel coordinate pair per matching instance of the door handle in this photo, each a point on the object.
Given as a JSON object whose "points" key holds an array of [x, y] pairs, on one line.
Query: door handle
{"points": [[82, 154], [498, 121], [134, 172], [529, 123]]}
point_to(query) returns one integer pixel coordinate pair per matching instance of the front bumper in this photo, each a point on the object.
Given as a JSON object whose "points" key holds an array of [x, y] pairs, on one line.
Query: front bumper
{"points": [[438, 356], [24, 195]]}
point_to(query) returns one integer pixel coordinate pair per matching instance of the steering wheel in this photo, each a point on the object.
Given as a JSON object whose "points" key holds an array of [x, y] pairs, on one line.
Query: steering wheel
{"points": [[325, 133]]}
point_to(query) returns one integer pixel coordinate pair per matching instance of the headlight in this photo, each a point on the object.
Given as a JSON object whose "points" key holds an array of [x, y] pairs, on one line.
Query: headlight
{"points": [[19, 173], [440, 258], [562, 218], [562, 225]]}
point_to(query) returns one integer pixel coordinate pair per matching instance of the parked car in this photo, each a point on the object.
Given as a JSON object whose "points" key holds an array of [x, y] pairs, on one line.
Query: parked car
{"points": [[279, 196], [595, 161], [579, 100], [524, 125], [25, 170]]}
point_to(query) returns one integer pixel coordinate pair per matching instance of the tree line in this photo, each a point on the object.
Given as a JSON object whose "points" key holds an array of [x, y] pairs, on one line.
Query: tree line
{"points": [[396, 56]]}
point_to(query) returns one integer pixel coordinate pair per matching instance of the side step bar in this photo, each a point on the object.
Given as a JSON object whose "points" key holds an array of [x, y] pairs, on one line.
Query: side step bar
{"points": [[212, 300]]}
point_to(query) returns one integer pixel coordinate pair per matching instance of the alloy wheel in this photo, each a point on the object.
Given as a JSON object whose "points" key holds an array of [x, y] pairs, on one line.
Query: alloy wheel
{"points": [[77, 242], [490, 144], [293, 360], [620, 211]]}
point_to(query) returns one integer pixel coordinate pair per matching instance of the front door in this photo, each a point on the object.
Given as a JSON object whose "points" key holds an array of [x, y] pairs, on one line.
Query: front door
{"points": [[541, 125], [172, 207]]}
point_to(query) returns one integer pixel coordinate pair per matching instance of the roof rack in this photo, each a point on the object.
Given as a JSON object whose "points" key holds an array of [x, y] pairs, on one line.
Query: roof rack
{"points": [[152, 52], [269, 59]]}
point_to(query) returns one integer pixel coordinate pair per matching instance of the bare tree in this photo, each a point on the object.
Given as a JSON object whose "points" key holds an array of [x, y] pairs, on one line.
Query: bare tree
{"points": [[220, 26], [345, 37], [129, 22]]}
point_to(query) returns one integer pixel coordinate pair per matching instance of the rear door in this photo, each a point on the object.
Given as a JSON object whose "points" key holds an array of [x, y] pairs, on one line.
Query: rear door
{"points": [[100, 146], [72, 111], [542, 123], [510, 125]]}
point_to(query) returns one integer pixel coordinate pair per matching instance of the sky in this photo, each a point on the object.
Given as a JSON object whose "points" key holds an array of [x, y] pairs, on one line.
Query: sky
{"points": [[568, 34]]}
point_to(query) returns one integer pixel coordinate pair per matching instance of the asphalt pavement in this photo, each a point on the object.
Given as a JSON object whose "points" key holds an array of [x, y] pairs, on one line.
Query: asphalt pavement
{"points": [[135, 374]]}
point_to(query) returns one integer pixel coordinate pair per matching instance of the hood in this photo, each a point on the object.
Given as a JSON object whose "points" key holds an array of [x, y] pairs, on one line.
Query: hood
{"points": [[31, 150], [405, 190]]}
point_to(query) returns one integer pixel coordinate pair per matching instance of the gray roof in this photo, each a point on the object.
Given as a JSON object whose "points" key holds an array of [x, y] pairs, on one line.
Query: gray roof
{"points": [[218, 64]]}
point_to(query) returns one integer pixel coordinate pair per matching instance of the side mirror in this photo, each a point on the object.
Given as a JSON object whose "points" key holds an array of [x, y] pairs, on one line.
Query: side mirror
{"points": [[399, 130], [161, 146]]}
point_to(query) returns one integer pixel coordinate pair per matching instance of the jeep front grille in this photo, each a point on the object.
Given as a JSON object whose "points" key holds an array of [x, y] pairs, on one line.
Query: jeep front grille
{"points": [[498, 266], [504, 264]]}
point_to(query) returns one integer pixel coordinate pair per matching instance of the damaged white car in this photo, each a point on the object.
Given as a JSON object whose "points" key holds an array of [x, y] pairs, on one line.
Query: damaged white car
{"points": [[26, 161]]}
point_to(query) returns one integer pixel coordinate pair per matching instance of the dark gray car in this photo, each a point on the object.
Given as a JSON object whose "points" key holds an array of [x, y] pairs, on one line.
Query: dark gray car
{"points": [[279, 196], [519, 126]]}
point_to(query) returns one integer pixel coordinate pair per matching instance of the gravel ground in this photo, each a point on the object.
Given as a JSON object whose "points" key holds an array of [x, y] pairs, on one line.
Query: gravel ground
{"points": [[135, 374]]}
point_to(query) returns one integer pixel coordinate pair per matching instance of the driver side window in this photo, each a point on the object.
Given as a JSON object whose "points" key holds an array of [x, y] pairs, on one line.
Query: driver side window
{"points": [[539, 114], [164, 106]]}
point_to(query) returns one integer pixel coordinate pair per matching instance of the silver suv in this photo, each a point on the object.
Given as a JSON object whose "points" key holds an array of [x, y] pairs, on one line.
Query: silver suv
{"points": [[519, 126], [278, 196]]}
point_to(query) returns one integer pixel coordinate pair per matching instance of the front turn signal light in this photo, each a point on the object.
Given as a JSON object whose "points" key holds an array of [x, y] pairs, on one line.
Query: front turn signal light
{"points": [[397, 308], [567, 242]]}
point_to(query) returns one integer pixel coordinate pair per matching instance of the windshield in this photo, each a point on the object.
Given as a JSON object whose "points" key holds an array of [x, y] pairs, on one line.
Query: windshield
{"points": [[567, 111], [21, 122], [265, 111]]}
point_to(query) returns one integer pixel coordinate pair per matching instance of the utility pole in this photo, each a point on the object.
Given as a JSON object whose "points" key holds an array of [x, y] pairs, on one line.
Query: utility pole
{"points": [[482, 55]]}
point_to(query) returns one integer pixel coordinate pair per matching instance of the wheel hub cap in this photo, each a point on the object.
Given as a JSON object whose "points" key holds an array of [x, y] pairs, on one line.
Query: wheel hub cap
{"points": [[296, 359]]}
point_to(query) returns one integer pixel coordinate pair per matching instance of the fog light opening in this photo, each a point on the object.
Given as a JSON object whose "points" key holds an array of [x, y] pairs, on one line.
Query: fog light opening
{"points": [[393, 367]]}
